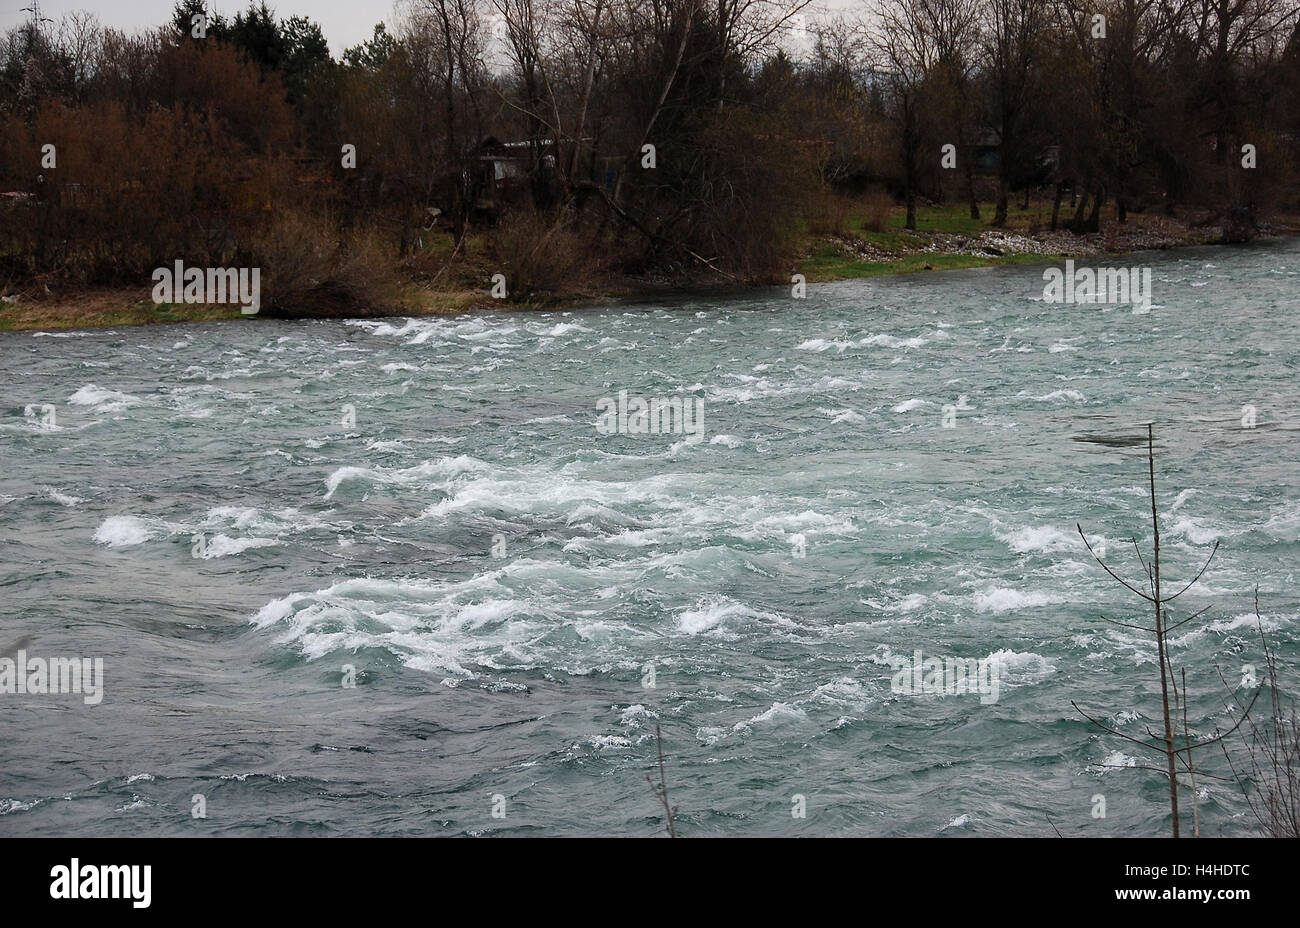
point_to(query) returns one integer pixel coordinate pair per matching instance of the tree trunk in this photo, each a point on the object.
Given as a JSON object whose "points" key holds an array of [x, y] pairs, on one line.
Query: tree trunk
{"points": [[911, 142], [1161, 620], [1094, 218], [1076, 224]]}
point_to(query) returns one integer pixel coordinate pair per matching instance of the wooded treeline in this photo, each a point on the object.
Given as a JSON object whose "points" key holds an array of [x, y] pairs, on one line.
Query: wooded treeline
{"points": [[562, 140]]}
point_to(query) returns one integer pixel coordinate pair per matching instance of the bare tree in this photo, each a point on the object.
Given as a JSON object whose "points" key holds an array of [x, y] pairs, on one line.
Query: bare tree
{"points": [[907, 57], [1171, 696], [80, 37], [1013, 42], [953, 26], [452, 33]]}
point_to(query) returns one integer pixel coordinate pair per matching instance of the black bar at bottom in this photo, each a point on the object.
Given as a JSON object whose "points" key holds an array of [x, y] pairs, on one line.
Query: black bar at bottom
{"points": [[340, 877]]}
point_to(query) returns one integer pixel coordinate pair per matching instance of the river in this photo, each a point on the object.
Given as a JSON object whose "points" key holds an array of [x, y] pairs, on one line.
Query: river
{"points": [[389, 577]]}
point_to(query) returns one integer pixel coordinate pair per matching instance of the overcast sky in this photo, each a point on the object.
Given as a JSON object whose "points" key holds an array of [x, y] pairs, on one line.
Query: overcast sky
{"points": [[344, 22]]}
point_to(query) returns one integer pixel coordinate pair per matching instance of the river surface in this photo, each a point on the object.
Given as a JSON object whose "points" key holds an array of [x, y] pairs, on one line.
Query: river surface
{"points": [[390, 577]]}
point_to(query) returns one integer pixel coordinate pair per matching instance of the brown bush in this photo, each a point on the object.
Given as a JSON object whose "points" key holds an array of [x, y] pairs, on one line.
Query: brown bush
{"points": [[307, 270], [543, 256], [830, 213], [876, 208], [130, 193]]}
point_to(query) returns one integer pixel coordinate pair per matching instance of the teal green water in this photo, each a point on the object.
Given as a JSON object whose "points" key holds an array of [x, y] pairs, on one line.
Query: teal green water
{"points": [[502, 577]]}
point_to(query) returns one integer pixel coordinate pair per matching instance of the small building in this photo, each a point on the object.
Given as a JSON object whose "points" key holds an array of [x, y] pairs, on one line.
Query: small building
{"points": [[505, 167], [988, 151]]}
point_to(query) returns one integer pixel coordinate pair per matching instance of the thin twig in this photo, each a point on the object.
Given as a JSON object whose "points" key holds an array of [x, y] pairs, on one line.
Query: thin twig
{"points": [[662, 790]]}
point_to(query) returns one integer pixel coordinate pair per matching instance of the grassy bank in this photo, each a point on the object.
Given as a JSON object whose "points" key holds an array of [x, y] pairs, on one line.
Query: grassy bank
{"points": [[127, 306], [946, 239]]}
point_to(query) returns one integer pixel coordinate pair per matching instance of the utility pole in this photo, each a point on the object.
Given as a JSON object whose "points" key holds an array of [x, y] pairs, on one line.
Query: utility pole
{"points": [[37, 18]]}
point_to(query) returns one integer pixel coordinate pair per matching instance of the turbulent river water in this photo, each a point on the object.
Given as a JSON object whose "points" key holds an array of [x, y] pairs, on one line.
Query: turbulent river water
{"points": [[242, 519]]}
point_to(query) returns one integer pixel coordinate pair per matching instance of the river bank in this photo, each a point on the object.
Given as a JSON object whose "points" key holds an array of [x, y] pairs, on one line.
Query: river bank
{"points": [[945, 239]]}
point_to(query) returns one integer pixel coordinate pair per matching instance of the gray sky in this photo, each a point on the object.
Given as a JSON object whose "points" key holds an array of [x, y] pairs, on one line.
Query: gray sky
{"points": [[344, 22]]}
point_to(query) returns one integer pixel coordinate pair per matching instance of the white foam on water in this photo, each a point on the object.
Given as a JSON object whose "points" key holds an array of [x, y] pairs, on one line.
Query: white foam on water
{"points": [[713, 612], [909, 405], [1006, 346], [1284, 522], [63, 499], [446, 467], [909, 603], [1045, 538], [1241, 625], [631, 538], [633, 716], [1056, 395], [103, 400], [459, 628], [609, 741], [279, 522], [779, 713], [564, 328], [889, 341], [541, 490], [1116, 759], [1004, 599], [125, 531], [1194, 531], [8, 806], [844, 691], [807, 522], [752, 388], [851, 416], [1021, 668], [708, 735], [821, 344]]}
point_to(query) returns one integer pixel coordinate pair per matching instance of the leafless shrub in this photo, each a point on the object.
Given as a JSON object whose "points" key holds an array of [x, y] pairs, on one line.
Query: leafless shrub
{"points": [[877, 206], [1270, 777], [307, 271], [542, 256], [830, 215]]}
